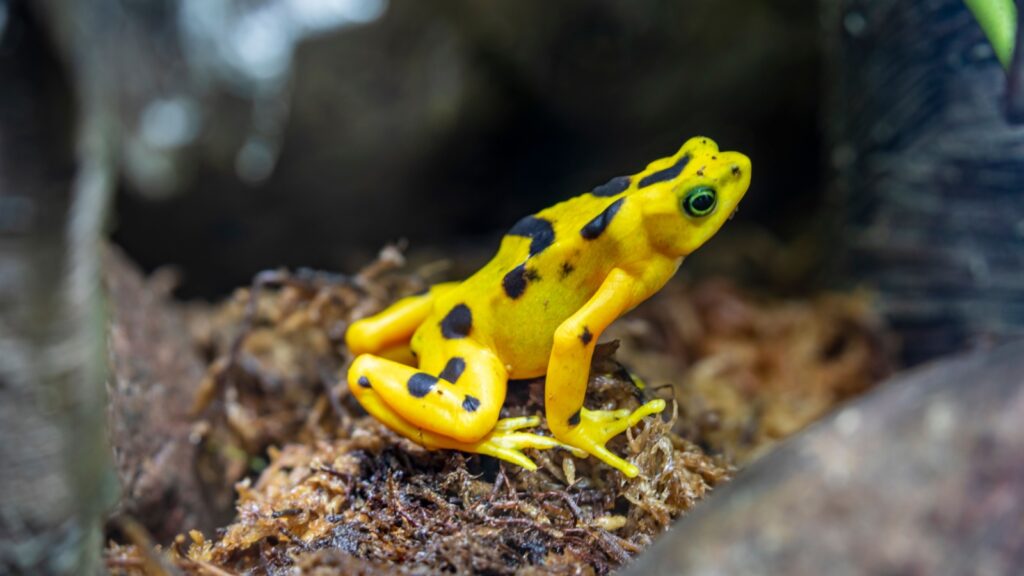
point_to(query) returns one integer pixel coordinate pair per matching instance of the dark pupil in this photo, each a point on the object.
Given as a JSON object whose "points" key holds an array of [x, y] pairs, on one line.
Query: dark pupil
{"points": [[700, 202]]}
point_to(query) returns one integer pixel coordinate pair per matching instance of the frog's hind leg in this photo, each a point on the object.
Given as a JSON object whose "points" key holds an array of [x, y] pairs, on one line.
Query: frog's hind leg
{"points": [[505, 441], [462, 400], [456, 409]]}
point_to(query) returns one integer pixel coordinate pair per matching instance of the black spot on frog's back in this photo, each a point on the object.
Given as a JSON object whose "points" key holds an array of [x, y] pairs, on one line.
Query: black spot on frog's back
{"points": [[612, 187], [540, 232], [591, 230], [665, 173], [457, 323], [567, 269], [514, 283]]}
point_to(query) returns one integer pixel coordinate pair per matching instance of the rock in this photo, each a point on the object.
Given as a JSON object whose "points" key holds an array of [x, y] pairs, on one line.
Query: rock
{"points": [[925, 475]]}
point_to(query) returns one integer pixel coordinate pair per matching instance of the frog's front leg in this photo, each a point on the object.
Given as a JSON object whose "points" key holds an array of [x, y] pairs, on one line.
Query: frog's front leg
{"points": [[456, 409], [569, 373]]}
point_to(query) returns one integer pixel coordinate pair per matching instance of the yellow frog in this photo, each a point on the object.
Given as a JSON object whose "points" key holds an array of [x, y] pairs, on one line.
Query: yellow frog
{"points": [[558, 280]]}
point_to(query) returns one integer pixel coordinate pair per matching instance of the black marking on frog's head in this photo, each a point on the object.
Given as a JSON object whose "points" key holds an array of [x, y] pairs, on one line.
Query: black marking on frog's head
{"points": [[567, 268], [453, 369], [457, 323], [596, 227], [586, 336], [364, 382], [612, 187], [420, 384], [575, 418], [514, 283], [470, 404], [538, 230], [665, 173]]}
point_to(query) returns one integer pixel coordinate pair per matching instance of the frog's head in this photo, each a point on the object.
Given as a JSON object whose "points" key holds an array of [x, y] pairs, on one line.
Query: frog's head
{"points": [[691, 195]]}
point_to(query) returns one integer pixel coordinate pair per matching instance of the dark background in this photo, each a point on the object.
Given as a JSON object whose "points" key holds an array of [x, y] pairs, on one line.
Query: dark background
{"points": [[441, 123]]}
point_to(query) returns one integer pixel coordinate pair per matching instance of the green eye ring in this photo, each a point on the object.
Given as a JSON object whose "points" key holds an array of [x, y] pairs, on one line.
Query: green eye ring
{"points": [[700, 201]]}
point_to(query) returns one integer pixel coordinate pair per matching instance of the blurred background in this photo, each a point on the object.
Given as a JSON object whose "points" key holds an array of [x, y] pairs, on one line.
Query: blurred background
{"points": [[221, 138], [438, 123]]}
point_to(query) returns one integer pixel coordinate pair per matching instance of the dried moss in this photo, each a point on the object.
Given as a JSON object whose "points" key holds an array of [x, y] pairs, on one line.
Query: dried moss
{"points": [[344, 494]]}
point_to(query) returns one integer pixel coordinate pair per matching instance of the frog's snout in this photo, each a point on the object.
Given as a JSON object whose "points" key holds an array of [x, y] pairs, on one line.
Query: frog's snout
{"points": [[736, 174], [738, 164]]}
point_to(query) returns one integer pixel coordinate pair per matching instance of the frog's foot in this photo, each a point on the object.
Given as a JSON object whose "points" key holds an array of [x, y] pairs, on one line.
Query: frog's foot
{"points": [[596, 427], [506, 442]]}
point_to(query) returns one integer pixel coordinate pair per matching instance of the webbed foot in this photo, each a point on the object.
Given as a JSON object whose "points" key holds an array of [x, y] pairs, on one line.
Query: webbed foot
{"points": [[596, 427]]}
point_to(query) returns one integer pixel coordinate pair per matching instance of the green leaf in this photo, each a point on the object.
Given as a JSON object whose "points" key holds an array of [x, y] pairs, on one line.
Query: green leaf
{"points": [[998, 19]]}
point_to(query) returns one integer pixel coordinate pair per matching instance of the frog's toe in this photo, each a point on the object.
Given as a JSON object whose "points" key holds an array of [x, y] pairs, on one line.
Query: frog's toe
{"points": [[506, 442], [517, 423], [649, 409], [609, 415], [597, 427], [506, 453]]}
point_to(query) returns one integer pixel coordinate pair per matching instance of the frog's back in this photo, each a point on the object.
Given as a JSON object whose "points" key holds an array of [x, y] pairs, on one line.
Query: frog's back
{"points": [[551, 263], [547, 267]]}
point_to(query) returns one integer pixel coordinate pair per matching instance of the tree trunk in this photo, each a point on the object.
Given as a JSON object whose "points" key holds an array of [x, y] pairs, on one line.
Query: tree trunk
{"points": [[55, 477]]}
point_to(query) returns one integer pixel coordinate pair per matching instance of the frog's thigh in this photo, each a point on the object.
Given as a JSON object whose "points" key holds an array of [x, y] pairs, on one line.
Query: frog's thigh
{"points": [[394, 325], [461, 402], [573, 346], [380, 410]]}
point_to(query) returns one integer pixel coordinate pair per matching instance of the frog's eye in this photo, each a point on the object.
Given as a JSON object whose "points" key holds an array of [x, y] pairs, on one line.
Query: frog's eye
{"points": [[700, 201]]}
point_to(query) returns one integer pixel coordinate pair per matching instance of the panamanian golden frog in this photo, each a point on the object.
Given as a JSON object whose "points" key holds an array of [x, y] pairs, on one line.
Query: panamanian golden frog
{"points": [[559, 279]]}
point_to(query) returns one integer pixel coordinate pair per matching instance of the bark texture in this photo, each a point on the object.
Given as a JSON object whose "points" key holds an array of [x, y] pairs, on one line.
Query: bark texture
{"points": [[54, 480], [928, 172]]}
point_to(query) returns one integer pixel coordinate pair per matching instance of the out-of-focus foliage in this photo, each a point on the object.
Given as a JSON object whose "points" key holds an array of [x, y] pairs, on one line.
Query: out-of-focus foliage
{"points": [[998, 18]]}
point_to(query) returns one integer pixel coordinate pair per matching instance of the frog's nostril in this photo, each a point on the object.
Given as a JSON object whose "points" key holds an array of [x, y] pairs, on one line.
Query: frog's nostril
{"points": [[735, 169]]}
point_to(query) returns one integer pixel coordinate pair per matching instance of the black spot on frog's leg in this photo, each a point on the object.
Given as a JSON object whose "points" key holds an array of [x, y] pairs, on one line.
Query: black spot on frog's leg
{"points": [[457, 323], [453, 369], [586, 336], [470, 404], [420, 384], [575, 418], [538, 230], [666, 173], [363, 382], [567, 269], [596, 227], [514, 283], [612, 187]]}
